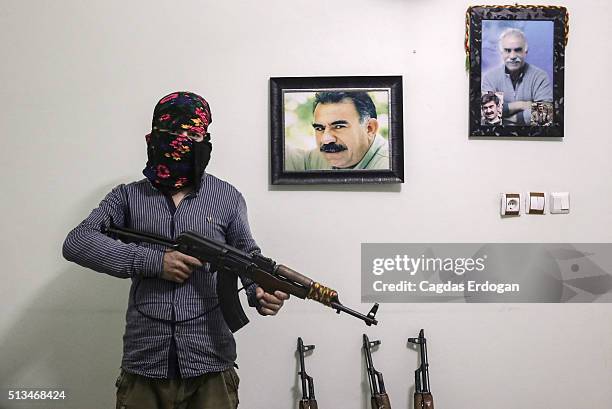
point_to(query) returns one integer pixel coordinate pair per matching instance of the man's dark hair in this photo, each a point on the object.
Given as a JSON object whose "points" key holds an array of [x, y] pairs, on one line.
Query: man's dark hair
{"points": [[488, 97], [362, 101]]}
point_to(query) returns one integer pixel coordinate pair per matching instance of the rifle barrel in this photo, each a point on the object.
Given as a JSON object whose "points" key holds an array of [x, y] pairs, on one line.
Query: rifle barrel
{"points": [[424, 361], [421, 375], [302, 373], [368, 319], [370, 365], [307, 381]]}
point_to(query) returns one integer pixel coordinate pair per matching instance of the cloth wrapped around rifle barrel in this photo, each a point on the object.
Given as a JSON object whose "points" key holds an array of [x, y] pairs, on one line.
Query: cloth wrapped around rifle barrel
{"points": [[322, 294]]}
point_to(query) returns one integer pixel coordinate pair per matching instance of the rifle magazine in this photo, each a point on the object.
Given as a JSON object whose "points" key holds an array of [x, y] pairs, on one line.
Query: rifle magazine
{"points": [[229, 301]]}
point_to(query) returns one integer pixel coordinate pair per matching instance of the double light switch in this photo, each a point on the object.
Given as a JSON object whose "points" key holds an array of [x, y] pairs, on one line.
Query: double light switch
{"points": [[535, 203]]}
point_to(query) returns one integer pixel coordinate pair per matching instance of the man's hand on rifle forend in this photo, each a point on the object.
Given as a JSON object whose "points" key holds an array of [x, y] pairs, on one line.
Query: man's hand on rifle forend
{"points": [[178, 266], [269, 304]]}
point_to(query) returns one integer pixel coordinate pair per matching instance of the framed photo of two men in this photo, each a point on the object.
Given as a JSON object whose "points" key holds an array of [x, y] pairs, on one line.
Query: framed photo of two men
{"points": [[336, 130], [516, 58]]}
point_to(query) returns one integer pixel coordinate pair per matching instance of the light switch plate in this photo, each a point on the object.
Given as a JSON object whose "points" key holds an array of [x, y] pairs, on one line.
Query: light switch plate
{"points": [[559, 202], [510, 204], [535, 203]]}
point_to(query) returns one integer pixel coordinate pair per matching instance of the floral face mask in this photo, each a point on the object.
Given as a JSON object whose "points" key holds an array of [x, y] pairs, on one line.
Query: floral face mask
{"points": [[178, 147]]}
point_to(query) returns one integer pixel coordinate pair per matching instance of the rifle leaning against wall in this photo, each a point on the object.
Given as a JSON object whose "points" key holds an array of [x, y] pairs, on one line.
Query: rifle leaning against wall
{"points": [[229, 261], [380, 399], [308, 400], [422, 395]]}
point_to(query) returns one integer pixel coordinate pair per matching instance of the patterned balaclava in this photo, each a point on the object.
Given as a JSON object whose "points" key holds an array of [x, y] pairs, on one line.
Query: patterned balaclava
{"points": [[176, 160]]}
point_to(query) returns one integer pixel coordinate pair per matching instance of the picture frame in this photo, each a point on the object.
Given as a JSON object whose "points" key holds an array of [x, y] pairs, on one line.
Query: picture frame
{"points": [[336, 130], [516, 63]]}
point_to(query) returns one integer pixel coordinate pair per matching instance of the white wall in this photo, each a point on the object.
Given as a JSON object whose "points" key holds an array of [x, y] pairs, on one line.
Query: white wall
{"points": [[80, 80]]}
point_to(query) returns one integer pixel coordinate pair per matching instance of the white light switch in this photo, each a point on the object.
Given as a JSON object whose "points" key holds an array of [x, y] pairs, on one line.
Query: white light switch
{"points": [[559, 202], [535, 203]]}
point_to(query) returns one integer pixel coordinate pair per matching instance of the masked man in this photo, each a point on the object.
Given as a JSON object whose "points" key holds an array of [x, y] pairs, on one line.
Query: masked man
{"points": [[177, 350]]}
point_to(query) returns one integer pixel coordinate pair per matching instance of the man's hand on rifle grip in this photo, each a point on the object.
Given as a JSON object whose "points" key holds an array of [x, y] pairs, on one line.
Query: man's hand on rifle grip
{"points": [[270, 304], [178, 266]]}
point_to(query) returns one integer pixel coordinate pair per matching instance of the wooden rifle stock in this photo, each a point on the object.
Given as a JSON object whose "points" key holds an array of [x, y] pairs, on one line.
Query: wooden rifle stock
{"points": [[423, 400], [381, 401], [308, 404]]}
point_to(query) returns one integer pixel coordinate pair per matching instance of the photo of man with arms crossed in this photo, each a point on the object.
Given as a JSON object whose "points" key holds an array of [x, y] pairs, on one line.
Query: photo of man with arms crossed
{"points": [[522, 83]]}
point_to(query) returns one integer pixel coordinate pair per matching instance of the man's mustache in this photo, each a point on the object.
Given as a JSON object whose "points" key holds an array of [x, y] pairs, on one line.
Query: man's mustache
{"points": [[332, 147], [515, 59]]}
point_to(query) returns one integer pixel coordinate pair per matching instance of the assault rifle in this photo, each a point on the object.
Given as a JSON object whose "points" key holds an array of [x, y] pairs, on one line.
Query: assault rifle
{"points": [[228, 261], [308, 400], [380, 399], [422, 395]]}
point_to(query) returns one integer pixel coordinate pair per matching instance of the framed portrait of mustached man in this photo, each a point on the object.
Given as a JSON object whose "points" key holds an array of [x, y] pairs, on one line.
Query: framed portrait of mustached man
{"points": [[516, 62], [336, 130]]}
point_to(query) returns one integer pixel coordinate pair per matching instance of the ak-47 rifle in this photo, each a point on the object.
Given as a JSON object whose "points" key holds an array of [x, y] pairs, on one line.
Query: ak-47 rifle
{"points": [[308, 400], [422, 395], [380, 399], [228, 261]]}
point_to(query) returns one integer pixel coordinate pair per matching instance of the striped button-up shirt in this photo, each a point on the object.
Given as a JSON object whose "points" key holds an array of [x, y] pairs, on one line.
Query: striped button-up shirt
{"points": [[159, 310]]}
